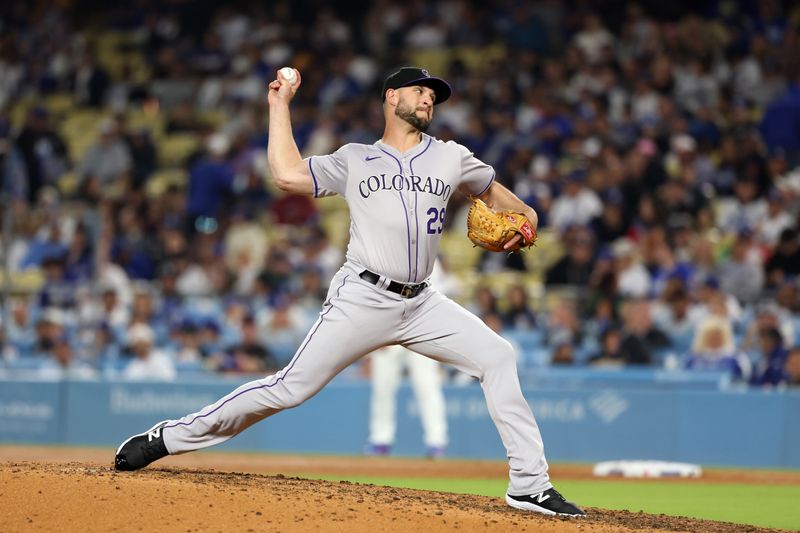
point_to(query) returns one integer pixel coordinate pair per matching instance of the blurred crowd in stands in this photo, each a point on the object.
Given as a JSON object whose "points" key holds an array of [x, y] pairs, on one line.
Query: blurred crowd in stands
{"points": [[660, 145]]}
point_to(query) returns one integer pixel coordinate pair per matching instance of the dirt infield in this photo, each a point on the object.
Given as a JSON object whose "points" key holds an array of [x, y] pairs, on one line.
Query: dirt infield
{"points": [[76, 490]]}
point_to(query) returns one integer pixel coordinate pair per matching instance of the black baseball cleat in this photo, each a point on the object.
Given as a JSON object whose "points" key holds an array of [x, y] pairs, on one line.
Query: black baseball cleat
{"points": [[549, 502], [142, 449]]}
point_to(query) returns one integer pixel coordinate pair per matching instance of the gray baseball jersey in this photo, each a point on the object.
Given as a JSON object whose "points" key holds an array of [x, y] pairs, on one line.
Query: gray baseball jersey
{"points": [[398, 201], [398, 204]]}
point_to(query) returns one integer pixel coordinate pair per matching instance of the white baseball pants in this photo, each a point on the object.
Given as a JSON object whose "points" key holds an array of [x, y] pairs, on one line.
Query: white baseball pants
{"points": [[425, 374], [356, 319]]}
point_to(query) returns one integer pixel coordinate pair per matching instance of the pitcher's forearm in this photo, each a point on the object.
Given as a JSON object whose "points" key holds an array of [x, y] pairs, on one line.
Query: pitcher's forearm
{"points": [[499, 197], [282, 152]]}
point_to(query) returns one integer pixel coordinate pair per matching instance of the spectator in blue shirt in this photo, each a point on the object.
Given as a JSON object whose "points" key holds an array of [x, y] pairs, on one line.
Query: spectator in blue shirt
{"points": [[210, 184], [44, 151], [771, 371], [13, 176], [714, 349], [131, 248], [41, 249], [79, 258], [780, 126], [57, 291], [553, 128], [20, 328]]}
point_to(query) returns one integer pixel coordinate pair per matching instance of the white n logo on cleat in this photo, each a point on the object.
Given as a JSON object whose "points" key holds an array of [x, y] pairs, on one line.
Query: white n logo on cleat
{"points": [[541, 497], [154, 434]]}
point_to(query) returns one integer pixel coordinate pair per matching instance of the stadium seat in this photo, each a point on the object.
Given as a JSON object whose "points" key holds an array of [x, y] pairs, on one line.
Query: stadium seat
{"points": [[189, 368], [68, 184], [536, 357], [459, 252], [683, 343], [19, 111], [163, 179], [337, 226], [213, 118], [26, 282], [112, 368], [59, 104], [25, 363], [332, 204], [153, 122], [527, 339], [176, 148], [548, 250]]}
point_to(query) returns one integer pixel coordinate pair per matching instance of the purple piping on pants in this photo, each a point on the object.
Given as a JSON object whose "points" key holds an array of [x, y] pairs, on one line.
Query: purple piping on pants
{"points": [[405, 211], [280, 378], [416, 213]]}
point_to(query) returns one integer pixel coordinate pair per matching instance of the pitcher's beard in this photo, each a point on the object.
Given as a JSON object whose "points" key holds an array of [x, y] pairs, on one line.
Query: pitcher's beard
{"points": [[410, 116]]}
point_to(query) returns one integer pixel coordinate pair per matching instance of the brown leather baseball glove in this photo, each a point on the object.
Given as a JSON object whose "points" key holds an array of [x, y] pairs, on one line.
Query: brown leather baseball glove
{"points": [[492, 229]]}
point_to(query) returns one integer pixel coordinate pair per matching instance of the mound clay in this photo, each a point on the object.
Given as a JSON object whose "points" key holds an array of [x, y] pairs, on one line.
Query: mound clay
{"points": [[187, 496]]}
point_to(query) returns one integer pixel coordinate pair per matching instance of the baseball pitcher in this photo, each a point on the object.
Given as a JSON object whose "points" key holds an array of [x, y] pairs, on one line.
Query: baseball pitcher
{"points": [[397, 191]]}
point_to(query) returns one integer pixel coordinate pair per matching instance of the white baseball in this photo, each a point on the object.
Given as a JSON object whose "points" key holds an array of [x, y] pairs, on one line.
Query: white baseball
{"points": [[289, 74]]}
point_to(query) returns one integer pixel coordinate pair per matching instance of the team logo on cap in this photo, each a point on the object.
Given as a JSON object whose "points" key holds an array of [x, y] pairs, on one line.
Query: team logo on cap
{"points": [[425, 73]]}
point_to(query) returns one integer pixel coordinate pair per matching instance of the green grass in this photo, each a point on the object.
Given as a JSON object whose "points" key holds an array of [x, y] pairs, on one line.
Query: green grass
{"points": [[762, 505]]}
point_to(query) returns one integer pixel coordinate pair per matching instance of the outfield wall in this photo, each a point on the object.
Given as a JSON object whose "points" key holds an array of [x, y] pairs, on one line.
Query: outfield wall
{"points": [[579, 422]]}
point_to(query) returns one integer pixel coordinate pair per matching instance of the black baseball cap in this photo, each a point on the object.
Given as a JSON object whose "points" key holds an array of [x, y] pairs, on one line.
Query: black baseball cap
{"points": [[408, 76]]}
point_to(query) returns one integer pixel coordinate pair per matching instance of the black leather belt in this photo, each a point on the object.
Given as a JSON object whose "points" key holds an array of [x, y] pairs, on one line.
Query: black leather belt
{"points": [[406, 291]]}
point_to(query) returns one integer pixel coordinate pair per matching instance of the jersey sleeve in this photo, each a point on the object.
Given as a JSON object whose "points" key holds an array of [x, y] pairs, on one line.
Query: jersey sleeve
{"points": [[329, 173], [476, 176]]}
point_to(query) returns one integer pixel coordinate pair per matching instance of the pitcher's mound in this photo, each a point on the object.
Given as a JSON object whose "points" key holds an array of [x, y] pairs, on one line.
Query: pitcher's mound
{"points": [[91, 497]]}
